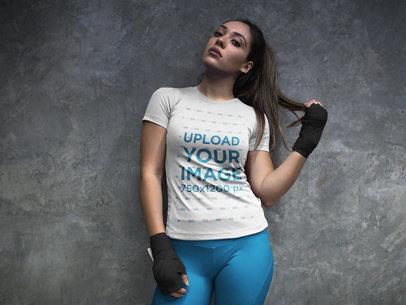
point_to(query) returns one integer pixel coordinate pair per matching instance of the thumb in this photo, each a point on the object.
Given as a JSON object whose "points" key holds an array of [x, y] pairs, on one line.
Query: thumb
{"points": [[185, 278]]}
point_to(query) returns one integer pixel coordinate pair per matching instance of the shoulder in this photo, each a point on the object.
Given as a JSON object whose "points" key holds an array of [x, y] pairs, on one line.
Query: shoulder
{"points": [[166, 92], [250, 115], [167, 95]]}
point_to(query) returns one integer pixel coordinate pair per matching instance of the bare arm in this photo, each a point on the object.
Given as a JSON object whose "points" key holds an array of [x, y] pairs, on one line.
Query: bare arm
{"points": [[153, 144], [151, 202], [271, 184], [279, 181], [152, 152]]}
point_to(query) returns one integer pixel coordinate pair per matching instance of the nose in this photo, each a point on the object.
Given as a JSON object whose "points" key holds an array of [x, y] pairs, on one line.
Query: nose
{"points": [[220, 42]]}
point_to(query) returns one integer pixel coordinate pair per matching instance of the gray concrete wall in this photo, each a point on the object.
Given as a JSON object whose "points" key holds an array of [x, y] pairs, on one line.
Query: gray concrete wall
{"points": [[75, 79]]}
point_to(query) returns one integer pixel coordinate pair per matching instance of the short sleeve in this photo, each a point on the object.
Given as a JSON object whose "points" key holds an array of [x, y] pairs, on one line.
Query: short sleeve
{"points": [[159, 107], [264, 143]]}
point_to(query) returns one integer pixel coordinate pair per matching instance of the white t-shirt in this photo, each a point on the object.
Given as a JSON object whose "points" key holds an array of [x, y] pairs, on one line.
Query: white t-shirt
{"points": [[207, 143]]}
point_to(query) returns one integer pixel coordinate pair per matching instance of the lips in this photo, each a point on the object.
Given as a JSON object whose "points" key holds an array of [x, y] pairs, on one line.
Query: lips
{"points": [[216, 50]]}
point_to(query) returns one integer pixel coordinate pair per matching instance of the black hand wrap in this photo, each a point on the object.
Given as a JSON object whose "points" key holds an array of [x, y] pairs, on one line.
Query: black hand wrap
{"points": [[167, 267], [313, 123]]}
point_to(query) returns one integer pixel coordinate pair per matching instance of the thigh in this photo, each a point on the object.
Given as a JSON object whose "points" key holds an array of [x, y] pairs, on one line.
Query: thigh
{"points": [[247, 276], [200, 287]]}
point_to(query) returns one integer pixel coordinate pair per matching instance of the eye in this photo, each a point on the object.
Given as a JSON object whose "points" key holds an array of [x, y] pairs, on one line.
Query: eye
{"points": [[217, 32]]}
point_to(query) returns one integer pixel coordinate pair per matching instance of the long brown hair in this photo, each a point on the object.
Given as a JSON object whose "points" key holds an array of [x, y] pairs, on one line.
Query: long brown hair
{"points": [[259, 87]]}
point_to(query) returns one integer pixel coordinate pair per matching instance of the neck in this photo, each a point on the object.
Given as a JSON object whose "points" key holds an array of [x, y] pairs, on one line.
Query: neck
{"points": [[217, 86]]}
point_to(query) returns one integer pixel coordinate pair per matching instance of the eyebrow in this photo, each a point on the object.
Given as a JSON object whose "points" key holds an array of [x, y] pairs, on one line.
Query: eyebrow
{"points": [[223, 26]]}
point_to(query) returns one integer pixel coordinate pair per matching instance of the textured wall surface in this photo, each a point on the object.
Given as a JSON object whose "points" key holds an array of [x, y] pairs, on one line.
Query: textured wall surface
{"points": [[75, 79]]}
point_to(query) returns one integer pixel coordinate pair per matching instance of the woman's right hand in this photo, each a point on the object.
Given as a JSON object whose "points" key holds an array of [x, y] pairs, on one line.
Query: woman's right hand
{"points": [[168, 269], [181, 291]]}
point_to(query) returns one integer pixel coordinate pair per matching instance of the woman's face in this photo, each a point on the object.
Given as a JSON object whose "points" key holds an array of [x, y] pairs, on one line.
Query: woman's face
{"points": [[233, 41]]}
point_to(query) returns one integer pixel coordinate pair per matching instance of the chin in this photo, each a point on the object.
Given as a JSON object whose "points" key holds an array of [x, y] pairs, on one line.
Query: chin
{"points": [[211, 62]]}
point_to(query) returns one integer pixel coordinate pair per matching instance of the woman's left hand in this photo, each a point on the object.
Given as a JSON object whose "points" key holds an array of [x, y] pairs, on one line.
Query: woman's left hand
{"points": [[313, 123], [313, 101]]}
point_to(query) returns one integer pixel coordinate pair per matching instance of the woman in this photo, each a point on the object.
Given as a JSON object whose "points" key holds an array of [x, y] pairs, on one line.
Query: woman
{"points": [[212, 140]]}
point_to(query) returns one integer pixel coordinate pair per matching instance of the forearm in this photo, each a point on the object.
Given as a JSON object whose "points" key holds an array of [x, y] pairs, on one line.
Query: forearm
{"points": [[150, 196], [279, 181]]}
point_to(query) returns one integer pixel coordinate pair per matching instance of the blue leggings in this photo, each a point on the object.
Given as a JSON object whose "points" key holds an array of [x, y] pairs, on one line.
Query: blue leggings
{"points": [[238, 270]]}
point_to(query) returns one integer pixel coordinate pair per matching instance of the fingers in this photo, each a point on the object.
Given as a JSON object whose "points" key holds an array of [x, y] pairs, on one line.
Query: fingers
{"points": [[313, 101], [185, 279], [177, 295], [181, 292]]}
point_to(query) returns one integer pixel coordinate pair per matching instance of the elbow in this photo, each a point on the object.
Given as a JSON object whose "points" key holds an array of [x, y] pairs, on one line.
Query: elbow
{"points": [[269, 200], [266, 198], [267, 203], [147, 174], [146, 179]]}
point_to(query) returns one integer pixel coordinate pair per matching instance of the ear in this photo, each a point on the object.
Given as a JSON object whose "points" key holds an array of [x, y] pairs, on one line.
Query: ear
{"points": [[246, 67]]}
